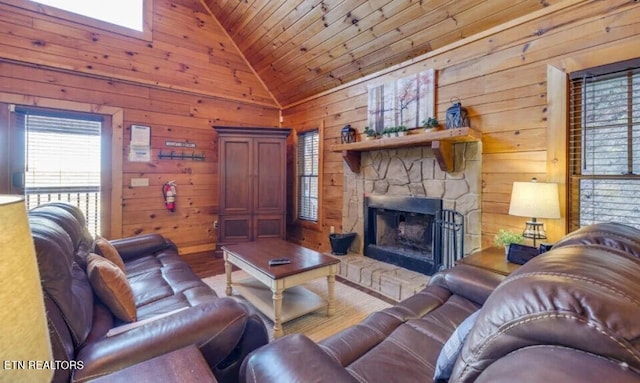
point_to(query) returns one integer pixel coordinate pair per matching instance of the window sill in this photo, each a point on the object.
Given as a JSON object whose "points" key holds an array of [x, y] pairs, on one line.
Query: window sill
{"points": [[308, 225]]}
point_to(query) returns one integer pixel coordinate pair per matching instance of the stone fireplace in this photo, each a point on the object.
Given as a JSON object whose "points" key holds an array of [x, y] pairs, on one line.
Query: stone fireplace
{"points": [[413, 172]]}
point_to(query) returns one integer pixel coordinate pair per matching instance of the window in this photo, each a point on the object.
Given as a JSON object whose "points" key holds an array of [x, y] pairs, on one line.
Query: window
{"points": [[604, 146], [125, 13], [308, 164], [63, 161], [133, 18]]}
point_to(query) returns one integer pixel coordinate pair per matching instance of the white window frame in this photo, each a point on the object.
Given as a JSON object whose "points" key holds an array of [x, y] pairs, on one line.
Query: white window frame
{"points": [[300, 175], [145, 34]]}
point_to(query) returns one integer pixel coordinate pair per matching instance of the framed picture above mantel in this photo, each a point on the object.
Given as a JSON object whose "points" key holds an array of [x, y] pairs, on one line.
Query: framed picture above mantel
{"points": [[407, 101]]}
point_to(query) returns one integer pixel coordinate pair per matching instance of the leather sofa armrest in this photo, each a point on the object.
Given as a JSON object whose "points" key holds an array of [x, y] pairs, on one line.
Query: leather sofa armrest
{"points": [[292, 358], [471, 282], [141, 245], [215, 327]]}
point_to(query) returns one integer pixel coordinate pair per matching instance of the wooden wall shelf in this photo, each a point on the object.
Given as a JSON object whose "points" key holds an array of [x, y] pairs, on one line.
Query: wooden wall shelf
{"points": [[441, 142]]}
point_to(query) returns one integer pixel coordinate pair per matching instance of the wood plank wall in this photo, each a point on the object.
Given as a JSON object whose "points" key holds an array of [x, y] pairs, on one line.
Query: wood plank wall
{"points": [[501, 78], [186, 80], [189, 50]]}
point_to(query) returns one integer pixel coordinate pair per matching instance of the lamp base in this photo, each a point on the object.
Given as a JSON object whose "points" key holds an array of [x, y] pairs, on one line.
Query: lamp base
{"points": [[534, 230]]}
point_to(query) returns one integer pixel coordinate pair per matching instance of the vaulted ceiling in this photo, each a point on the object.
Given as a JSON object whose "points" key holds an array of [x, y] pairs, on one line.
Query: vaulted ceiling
{"points": [[302, 47]]}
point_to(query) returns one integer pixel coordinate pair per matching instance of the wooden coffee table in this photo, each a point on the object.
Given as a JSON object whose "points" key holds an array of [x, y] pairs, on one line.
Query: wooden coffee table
{"points": [[275, 290]]}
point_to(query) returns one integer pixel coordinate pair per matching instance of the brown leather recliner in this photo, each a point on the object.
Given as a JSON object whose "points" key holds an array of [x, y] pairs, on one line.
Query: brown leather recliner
{"points": [[224, 329], [569, 315]]}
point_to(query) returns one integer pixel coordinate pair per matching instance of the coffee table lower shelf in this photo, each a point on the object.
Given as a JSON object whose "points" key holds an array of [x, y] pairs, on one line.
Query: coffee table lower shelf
{"points": [[296, 301]]}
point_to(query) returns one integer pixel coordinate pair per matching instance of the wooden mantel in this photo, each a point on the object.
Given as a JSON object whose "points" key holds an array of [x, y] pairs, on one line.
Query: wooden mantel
{"points": [[441, 143]]}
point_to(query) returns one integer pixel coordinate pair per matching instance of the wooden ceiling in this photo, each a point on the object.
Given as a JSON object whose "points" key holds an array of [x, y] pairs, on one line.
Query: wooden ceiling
{"points": [[302, 47]]}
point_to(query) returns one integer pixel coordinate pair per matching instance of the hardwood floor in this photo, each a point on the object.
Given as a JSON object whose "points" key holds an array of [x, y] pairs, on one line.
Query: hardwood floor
{"points": [[206, 264]]}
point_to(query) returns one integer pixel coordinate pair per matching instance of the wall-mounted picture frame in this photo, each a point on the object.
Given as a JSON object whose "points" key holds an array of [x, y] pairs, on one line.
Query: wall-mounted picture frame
{"points": [[406, 101]]}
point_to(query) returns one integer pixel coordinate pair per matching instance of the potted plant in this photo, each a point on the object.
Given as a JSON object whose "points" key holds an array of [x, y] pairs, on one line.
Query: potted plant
{"points": [[402, 130], [430, 124], [504, 238], [370, 134]]}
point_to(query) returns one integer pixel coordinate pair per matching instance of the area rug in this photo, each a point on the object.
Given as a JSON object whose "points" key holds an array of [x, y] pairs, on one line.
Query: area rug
{"points": [[352, 306]]}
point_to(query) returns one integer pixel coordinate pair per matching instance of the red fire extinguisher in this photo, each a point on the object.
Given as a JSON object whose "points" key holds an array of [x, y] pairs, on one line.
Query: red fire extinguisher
{"points": [[169, 192]]}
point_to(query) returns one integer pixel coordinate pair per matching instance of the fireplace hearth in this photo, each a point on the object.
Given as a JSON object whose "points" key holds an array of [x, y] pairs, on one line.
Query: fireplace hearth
{"points": [[401, 230]]}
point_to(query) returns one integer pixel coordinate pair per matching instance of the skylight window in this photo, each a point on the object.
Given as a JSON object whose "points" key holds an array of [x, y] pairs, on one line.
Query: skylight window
{"points": [[125, 13]]}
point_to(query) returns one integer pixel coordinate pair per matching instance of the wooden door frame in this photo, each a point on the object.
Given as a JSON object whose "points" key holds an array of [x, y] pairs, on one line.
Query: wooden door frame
{"points": [[116, 118]]}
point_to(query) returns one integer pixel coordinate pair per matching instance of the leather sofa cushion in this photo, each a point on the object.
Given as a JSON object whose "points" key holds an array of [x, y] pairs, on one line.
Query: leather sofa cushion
{"points": [[134, 247], [158, 260], [111, 286], [106, 249], [154, 291], [71, 219], [406, 337]]}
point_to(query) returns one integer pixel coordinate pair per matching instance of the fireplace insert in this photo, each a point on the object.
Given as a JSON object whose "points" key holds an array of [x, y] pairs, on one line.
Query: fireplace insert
{"points": [[403, 231]]}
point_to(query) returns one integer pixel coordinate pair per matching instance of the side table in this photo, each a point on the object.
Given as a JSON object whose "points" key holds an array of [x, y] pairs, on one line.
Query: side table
{"points": [[183, 365], [491, 258]]}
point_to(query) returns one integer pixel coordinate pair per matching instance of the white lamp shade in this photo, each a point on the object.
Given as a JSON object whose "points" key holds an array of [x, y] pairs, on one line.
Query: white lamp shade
{"points": [[535, 200], [24, 335]]}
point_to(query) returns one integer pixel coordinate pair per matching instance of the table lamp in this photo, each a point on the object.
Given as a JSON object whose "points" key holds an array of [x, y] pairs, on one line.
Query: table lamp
{"points": [[536, 200], [24, 336]]}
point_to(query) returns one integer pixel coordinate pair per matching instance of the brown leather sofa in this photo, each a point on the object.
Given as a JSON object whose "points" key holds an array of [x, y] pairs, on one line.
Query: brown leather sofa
{"points": [[224, 329], [569, 315]]}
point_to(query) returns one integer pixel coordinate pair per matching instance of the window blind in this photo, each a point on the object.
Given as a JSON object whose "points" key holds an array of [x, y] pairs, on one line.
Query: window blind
{"points": [[63, 161], [308, 164], [604, 147]]}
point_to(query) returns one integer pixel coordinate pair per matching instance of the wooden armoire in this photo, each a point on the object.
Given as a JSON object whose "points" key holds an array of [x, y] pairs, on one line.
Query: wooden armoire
{"points": [[253, 181]]}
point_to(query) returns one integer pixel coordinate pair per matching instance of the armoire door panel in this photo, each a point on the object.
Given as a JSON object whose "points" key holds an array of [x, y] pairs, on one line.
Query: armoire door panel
{"points": [[235, 176], [269, 226], [270, 176], [236, 228]]}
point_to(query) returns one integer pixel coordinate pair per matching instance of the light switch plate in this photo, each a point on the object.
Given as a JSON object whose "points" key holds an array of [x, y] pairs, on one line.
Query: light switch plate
{"points": [[139, 182]]}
